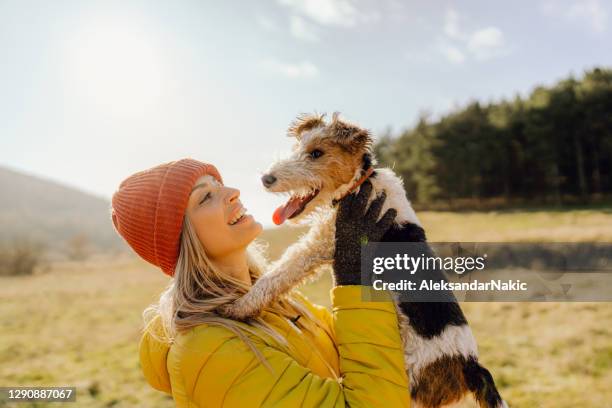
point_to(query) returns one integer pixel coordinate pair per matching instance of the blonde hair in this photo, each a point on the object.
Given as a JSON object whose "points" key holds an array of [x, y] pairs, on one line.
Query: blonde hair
{"points": [[198, 289]]}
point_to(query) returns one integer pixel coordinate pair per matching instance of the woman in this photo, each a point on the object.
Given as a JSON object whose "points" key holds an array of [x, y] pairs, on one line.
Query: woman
{"points": [[180, 217]]}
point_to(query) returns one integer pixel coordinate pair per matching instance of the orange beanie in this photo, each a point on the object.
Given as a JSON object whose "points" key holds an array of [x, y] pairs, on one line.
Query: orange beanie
{"points": [[149, 207]]}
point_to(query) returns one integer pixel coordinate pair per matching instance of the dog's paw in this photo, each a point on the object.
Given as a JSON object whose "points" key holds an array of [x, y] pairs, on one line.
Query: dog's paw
{"points": [[237, 310]]}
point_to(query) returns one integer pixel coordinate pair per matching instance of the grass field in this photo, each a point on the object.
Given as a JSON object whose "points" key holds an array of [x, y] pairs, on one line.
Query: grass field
{"points": [[78, 323]]}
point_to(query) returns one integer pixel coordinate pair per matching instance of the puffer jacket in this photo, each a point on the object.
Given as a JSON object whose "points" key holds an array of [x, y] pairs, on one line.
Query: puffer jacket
{"points": [[210, 366]]}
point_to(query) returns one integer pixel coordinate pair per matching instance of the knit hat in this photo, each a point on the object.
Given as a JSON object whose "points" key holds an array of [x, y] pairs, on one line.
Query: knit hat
{"points": [[149, 207]]}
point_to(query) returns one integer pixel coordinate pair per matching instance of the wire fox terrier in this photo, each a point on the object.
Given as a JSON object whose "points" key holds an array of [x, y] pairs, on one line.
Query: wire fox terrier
{"points": [[329, 161]]}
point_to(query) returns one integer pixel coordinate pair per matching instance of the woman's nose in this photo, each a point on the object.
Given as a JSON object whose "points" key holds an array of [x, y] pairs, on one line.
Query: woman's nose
{"points": [[232, 195]]}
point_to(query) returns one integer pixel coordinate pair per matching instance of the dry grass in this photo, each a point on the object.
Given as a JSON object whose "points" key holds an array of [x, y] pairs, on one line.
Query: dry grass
{"points": [[78, 323], [519, 226]]}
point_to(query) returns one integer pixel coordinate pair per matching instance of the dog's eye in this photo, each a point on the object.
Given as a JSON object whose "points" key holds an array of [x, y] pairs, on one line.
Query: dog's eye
{"points": [[316, 153]]}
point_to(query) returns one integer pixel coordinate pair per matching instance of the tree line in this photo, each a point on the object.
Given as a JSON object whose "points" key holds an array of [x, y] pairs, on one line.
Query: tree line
{"points": [[554, 146]]}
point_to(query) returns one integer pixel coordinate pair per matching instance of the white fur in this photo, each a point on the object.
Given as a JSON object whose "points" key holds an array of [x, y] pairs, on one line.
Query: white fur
{"points": [[419, 352], [386, 180]]}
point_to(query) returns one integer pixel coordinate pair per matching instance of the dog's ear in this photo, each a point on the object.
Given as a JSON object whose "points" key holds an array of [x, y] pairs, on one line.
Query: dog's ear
{"points": [[350, 136], [305, 122]]}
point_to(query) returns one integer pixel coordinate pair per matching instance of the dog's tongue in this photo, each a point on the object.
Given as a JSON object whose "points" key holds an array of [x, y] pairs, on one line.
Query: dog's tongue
{"points": [[286, 210]]}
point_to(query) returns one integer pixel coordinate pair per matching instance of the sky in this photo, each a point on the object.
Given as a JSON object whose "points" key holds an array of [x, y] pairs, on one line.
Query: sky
{"points": [[93, 91]]}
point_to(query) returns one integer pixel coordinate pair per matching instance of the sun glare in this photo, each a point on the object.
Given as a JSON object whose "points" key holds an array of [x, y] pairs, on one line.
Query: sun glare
{"points": [[116, 68]]}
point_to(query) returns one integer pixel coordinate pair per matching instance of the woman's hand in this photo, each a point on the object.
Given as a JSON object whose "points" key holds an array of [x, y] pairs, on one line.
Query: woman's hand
{"points": [[356, 227]]}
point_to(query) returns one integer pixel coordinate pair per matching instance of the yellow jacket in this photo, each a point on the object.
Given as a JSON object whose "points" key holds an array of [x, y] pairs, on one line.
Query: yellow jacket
{"points": [[209, 366]]}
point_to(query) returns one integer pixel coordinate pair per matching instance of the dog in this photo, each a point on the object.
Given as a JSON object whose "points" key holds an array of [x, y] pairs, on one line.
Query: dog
{"points": [[329, 161]]}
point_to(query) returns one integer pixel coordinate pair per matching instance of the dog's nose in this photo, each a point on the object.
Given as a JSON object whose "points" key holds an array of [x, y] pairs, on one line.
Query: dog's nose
{"points": [[268, 180]]}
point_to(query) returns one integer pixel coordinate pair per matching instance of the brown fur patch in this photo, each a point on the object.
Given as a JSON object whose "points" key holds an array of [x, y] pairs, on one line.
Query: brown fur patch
{"points": [[305, 122], [441, 382], [352, 137], [337, 166]]}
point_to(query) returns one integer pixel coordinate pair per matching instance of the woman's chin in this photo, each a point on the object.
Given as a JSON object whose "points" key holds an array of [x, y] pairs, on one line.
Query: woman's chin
{"points": [[250, 228]]}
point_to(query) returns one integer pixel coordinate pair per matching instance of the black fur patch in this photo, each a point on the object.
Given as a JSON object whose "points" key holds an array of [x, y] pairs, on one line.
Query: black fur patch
{"points": [[480, 381], [407, 232], [428, 319], [366, 162]]}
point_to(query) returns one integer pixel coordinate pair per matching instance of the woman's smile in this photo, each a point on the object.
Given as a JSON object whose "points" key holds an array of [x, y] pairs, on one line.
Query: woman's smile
{"points": [[242, 220], [237, 215]]}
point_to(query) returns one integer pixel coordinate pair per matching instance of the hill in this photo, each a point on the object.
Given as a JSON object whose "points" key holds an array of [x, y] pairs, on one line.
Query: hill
{"points": [[52, 214]]}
